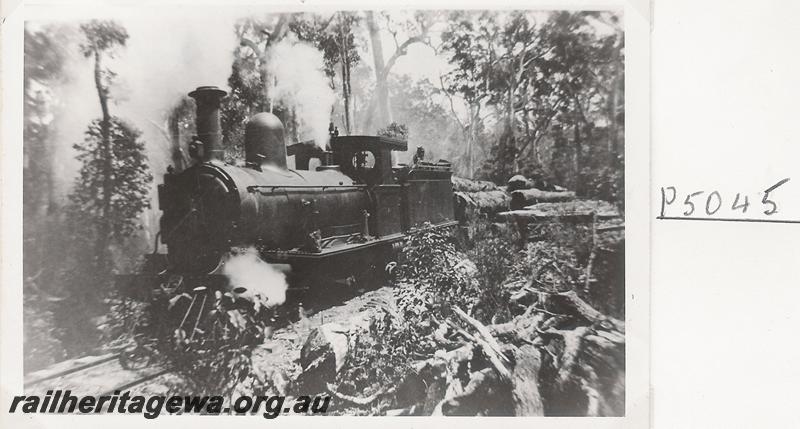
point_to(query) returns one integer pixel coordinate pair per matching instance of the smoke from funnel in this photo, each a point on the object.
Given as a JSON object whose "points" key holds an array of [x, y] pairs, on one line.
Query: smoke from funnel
{"points": [[297, 81]]}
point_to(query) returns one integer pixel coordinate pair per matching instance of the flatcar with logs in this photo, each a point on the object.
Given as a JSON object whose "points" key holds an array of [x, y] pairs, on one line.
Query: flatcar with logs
{"points": [[344, 217]]}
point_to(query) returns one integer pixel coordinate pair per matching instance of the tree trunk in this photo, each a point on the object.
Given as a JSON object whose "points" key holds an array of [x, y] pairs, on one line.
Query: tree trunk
{"points": [[381, 86], [349, 97], [345, 61], [470, 141], [527, 124], [577, 157], [345, 97], [516, 165], [104, 229], [473, 139], [268, 83]]}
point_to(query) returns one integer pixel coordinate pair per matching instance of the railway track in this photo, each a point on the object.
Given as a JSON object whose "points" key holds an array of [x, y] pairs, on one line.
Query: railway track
{"points": [[103, 374], [92, 375]]}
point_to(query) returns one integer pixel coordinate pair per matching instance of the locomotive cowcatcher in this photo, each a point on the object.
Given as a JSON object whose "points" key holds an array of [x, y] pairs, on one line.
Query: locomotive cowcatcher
{"points": [[341, 219]]}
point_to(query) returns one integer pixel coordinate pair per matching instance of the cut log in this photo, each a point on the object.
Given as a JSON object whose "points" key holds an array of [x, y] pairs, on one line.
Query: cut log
{"points": [[521, 182], [603, 209], [461, 184], [487, 202], [323, 355], [525, 197], [618, 227], [525, 380], [526, 216], [328, 340]]}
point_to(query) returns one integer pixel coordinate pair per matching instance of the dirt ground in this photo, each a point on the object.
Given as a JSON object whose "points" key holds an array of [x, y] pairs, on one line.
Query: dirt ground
{"points": [[284, 347]]}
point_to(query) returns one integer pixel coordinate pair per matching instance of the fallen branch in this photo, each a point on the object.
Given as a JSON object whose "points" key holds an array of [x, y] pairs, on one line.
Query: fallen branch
{"points": [[483, 331], [542, 310], [359, 400], [440, 336], [571, 299], [495, 358]]}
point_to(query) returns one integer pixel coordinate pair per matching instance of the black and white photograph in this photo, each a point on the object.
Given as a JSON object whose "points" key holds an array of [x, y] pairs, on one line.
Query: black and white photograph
{"points": [[326, 212], [406, 214]]}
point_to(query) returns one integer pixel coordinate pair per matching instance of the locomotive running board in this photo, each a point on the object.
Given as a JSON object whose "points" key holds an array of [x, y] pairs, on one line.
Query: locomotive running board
{"points": [[289, 256], [139, 286]]}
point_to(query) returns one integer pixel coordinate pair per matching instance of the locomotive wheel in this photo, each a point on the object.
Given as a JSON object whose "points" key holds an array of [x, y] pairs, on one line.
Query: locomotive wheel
{"points": [[137, 357], [371, 278]]}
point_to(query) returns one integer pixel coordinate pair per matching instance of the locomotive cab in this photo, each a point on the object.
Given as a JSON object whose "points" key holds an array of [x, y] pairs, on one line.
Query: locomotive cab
{"points": [[368, 159]]}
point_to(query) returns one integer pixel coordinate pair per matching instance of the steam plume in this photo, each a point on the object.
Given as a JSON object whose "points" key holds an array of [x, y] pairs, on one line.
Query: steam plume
{"points": [[264, 283], [296, 71], [166, 56]]}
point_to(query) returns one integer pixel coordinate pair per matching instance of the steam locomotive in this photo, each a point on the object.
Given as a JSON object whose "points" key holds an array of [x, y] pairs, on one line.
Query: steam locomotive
{"points": [[345, 216]]}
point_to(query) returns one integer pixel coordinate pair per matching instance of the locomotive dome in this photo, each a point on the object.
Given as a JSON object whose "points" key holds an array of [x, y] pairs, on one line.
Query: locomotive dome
{"points": [[264, 141]]}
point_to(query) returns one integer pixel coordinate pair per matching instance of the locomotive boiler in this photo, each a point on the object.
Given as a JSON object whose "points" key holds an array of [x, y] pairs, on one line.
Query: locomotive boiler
{"points": [[344, 215]]}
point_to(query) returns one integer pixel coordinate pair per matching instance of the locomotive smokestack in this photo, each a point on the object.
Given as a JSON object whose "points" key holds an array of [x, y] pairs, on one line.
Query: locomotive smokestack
{"points": [[209, 130], [263, 141]]}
